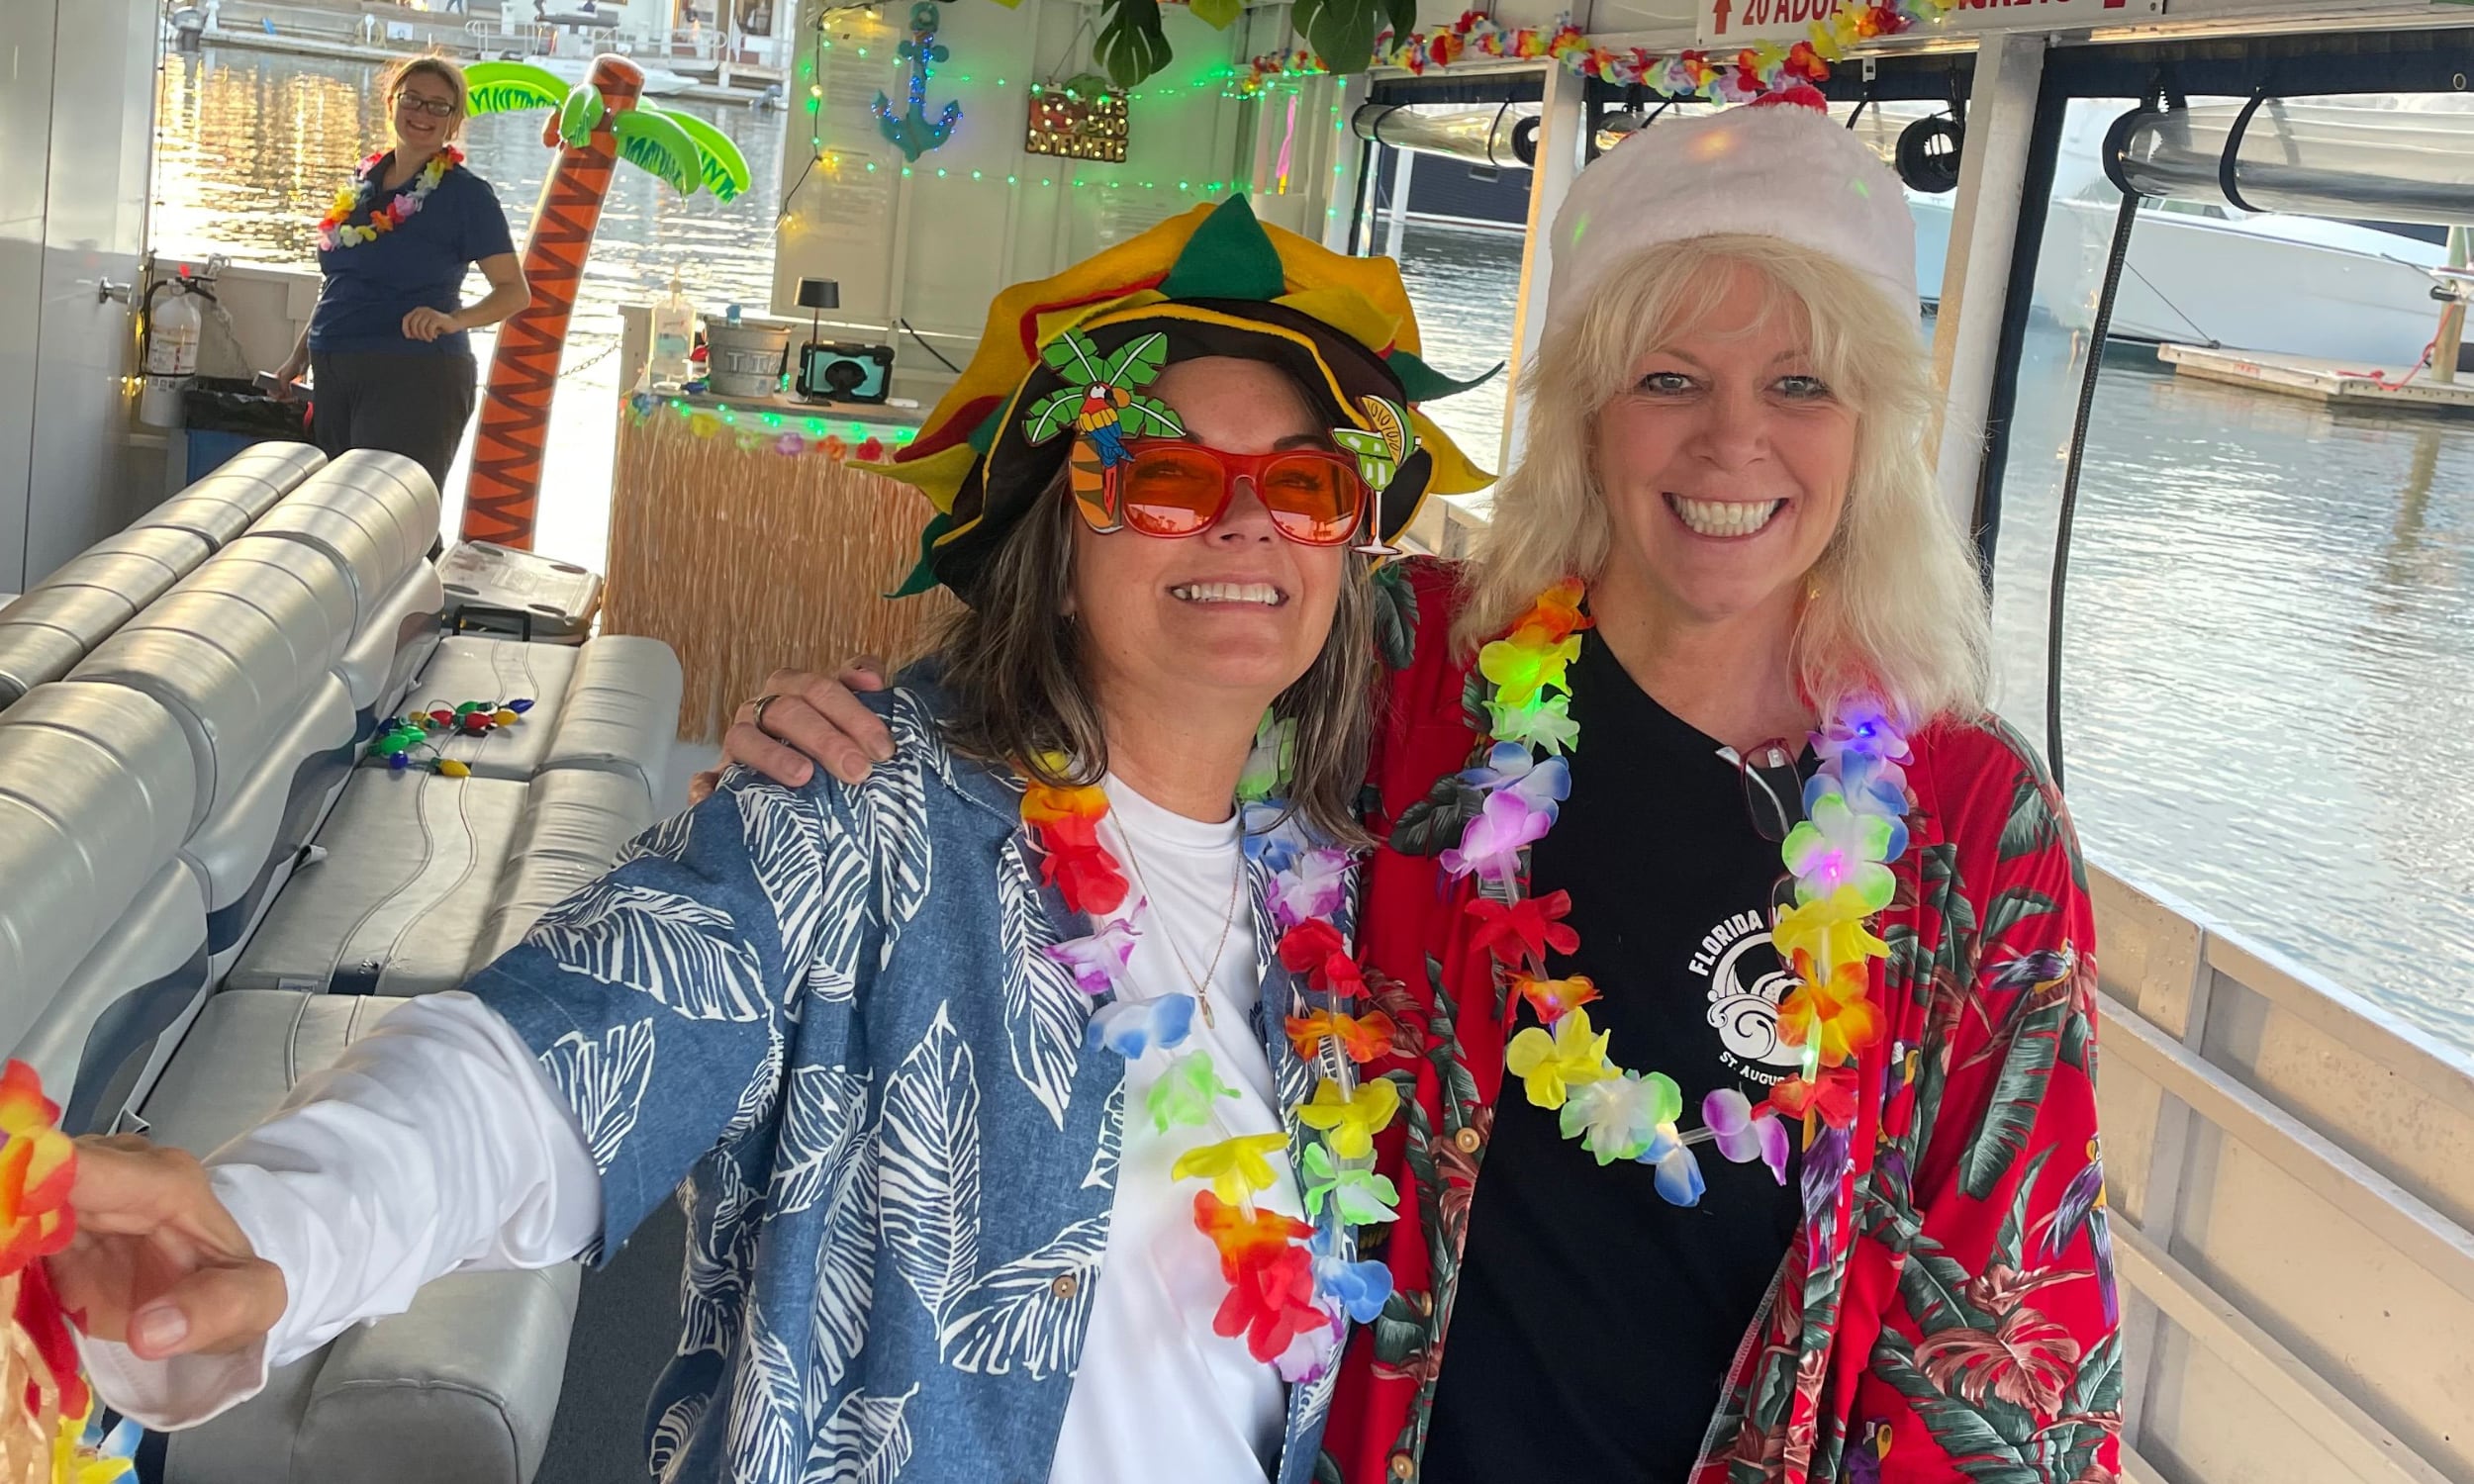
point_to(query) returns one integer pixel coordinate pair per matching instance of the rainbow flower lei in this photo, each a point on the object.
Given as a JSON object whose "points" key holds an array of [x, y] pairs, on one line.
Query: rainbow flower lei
{"points": [[1740, 75], [1838, 856], [334, 229], [44, 1403], [1293, 1284]]}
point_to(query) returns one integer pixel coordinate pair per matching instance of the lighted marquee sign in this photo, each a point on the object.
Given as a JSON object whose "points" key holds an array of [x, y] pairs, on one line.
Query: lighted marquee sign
{"points": [[1077, 122]]}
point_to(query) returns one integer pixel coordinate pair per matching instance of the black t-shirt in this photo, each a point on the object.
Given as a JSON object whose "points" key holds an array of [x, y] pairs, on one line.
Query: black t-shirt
{"points": [[1595, 1321]]}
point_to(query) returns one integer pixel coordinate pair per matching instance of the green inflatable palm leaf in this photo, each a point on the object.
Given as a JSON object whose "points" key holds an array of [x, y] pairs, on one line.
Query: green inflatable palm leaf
{"points": [[726, 169], [654, 141], [508, 87]]}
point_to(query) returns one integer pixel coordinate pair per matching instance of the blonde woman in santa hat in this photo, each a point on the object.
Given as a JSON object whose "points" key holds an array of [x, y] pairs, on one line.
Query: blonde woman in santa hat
{"points": [[1718, 925]]}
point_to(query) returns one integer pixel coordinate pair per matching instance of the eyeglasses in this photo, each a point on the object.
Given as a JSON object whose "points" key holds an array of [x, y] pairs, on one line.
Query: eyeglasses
{"points": [[1773, 791], [1169, 488], [1773, 795], [434, 108]]}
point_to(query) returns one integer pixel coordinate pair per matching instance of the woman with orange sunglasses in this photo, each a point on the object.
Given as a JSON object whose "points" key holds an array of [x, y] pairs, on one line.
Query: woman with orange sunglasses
{"points": [[1016, 1088]]}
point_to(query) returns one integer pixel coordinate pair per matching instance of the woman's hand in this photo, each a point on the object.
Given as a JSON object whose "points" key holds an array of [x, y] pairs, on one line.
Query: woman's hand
{"points": [[288, 377], [426, 324], [821, 718], [157, 1263]]}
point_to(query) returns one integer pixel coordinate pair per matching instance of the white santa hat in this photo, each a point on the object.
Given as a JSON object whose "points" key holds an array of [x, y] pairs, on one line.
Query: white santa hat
{"points": [[1776, 170]]}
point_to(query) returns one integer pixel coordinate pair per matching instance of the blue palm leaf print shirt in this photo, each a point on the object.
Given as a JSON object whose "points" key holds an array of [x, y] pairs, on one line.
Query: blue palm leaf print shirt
{"points": [[826, 1010]]}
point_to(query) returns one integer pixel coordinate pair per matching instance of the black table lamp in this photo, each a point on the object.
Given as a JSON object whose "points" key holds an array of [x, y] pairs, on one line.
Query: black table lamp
{"points": [[816, 295]]}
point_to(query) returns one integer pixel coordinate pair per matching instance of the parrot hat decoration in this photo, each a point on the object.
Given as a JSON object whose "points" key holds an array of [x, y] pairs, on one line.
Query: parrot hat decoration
{"points": [[1063, 368]]}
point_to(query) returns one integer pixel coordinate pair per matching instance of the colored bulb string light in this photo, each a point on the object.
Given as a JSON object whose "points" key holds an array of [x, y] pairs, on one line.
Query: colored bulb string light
{"points": [[412, 741]]}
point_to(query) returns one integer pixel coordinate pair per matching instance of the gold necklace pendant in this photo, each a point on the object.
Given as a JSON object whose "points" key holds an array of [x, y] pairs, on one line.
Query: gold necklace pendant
{"points": [[1228, 925]]}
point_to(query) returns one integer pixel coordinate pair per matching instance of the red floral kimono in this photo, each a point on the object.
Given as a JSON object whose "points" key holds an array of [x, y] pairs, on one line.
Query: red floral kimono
{"points": [[1947, 1310]]}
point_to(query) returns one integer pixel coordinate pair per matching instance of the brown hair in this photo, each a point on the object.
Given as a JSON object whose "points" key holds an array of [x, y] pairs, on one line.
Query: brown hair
{"points": [[1014, 675], [441, 69]]}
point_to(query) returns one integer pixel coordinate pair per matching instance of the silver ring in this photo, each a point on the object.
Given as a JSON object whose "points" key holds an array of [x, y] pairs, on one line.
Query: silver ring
{"points": [[757, 717]]}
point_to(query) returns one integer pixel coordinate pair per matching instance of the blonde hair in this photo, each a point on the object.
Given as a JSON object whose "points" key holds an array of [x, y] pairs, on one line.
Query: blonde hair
{"points": [[445, 71], [1897, 608]]}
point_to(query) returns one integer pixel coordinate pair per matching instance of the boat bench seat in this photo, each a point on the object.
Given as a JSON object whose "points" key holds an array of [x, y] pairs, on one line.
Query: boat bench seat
{"points": [[243, 655], [191, 843], [62, 618], [374, 515], [422, 879], [231, 498], [102, 925], [611, 704], [461, 1386], [59, 621]]}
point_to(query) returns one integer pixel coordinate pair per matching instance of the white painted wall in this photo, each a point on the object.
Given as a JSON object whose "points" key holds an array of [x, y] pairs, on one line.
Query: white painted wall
{"points": [[935, 247], [76, 109]]}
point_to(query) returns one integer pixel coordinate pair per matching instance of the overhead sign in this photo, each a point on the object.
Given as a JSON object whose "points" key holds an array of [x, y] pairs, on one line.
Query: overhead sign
{"points": [[1741, 23]]}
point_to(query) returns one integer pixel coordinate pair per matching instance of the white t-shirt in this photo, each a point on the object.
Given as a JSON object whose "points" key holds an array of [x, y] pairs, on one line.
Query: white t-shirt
{"points": [[437, 1144], [1157, 1395]]}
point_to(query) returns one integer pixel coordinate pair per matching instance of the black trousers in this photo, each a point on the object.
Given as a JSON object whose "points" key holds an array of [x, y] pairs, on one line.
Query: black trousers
{"points": [[412, 405]]}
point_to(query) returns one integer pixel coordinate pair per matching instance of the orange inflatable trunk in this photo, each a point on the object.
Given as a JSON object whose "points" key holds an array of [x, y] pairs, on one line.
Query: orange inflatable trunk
{"points": [[506, 484]]}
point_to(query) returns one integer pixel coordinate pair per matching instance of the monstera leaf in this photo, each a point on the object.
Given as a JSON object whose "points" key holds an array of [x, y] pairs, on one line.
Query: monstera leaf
{"points": [[726, 169], [654, 141], [1132, 47], [507, 87], [1342, 32]]}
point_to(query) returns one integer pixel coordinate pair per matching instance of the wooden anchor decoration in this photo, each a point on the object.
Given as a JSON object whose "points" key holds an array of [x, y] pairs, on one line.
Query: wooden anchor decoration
{"points": [[913, 132]]}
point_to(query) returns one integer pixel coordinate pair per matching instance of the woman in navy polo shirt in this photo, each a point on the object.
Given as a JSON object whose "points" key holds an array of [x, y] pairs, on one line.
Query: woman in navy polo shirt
{"points": [[387, 343]]}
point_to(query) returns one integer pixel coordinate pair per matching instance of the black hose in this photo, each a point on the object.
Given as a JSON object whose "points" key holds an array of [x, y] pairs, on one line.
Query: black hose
{"points": [[2115, 259]]}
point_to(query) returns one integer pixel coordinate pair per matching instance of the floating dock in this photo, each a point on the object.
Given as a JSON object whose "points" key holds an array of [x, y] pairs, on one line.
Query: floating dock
{"points": [[2371, 389]]}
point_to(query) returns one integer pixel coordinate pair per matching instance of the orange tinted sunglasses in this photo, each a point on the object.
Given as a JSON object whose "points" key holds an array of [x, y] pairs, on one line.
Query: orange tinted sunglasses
{"points": [[1171, 488]]}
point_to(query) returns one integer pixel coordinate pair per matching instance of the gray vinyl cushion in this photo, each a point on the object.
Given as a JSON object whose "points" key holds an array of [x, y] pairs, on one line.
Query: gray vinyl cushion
{"points": [[575, 820], [96, 791], [468, 668], [233, 652], [113, 1021], [244, 849], [393, 644], [621, 710], [44, 634], [461, 1387], [373, 514], [242, 488], [412, 864]]}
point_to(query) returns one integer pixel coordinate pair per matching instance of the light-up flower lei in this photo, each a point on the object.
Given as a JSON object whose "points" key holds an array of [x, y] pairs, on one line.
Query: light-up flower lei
{"points": [[334, 229], [1292, 1284], [1838, 856], [44, 1401]]}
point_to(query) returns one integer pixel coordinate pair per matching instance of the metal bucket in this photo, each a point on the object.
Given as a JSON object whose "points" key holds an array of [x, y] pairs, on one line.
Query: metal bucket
{"points": [[744, 360]]}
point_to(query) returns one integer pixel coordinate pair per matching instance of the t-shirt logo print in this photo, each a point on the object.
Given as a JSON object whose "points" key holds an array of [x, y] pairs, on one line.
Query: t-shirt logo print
{"points": [[1745, 983]]}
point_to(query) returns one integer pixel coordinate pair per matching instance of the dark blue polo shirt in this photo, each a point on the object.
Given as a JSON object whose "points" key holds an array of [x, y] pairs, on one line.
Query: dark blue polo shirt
{"points": [[370, 288]]}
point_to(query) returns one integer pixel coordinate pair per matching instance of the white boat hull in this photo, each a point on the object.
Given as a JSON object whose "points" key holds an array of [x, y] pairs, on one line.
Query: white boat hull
{"points": [[2353, 295]]}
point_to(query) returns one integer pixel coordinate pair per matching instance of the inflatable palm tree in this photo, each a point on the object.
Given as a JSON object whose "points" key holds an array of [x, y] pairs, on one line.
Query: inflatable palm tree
{"points": [[594, 124]]}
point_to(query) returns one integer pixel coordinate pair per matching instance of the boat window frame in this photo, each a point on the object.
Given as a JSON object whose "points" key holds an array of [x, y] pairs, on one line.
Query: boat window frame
{"points": [[2437, 59]]}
